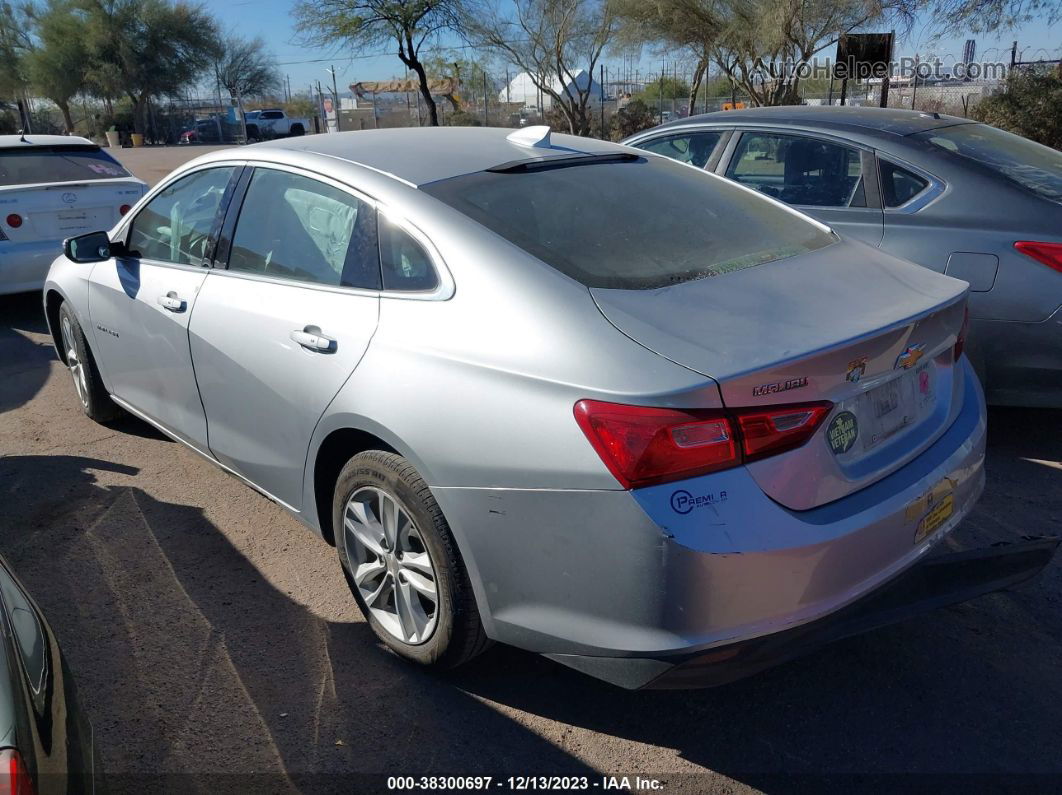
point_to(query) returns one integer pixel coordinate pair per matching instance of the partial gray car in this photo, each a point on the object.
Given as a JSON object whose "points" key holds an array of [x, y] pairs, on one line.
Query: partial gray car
{"points": [[956, 196], [529, 408]]}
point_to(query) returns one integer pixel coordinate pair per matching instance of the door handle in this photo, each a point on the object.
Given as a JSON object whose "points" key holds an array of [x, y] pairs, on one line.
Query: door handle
{"points": [[312, 339], [171, 302]]}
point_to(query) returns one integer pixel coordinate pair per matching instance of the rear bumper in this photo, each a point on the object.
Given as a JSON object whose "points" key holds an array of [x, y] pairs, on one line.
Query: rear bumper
{"points": [[24, 266], [1021, 363], [638, 580], [934, 583]]}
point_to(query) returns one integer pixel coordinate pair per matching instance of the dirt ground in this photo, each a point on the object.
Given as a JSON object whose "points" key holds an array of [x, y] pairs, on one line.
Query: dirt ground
{"points": [[216, 646]]}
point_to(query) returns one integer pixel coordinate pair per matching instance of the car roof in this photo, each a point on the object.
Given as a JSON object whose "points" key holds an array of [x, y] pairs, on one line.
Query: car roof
{"points": [[891, 121], [419, 155], [30, 140]]}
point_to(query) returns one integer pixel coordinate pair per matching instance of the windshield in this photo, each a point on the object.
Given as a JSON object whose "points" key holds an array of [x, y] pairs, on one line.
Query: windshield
{"points": [[32, 165], [1036, 167], [641, 223]]}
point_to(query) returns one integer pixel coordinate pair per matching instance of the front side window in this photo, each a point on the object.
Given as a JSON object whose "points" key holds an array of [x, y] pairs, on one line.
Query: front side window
{"points": [[694, 147], [898, 185], [175, 225], [797, 170], [636, 223], [31, 165], [294, 227], [1033, 166]]}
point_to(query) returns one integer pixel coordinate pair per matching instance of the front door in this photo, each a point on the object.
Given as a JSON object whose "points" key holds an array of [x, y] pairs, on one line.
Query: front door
{"points": [[276, 334], [824, 178], [140, 304]]}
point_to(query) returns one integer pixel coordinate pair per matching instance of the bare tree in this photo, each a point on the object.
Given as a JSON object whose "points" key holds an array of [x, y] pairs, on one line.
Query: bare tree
{"points": [[245, 68], [550, 40], [368, 24]]}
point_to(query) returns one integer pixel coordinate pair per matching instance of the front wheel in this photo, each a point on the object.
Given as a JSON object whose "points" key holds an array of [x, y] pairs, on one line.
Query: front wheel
{"points": [[402, 564], [88, 385]]}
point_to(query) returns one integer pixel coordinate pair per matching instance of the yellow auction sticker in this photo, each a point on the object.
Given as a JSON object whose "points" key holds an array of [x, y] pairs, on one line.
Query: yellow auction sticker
{"points": [[932, 521]]}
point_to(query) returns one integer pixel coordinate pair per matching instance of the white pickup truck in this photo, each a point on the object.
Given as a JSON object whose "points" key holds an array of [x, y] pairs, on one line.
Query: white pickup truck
{"points": [[273, 123]]}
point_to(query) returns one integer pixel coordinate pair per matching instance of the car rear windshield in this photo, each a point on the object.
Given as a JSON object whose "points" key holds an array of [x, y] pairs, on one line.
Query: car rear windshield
{"points": [[1030, 164], [32, 165], [638, 223]]}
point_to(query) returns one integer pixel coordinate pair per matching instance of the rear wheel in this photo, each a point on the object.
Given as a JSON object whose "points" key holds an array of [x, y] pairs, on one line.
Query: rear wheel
{"points": [[88, 385], [401, 562], [296, 129]]}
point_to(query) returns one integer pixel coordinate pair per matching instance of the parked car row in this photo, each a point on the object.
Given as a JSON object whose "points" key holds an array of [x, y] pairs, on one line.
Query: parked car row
{"points": [[565, 394]]}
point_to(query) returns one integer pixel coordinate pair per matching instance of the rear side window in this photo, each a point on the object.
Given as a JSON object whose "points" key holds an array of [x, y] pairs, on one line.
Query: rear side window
{"points": [[898, 185], [1032, 165], [175, 225], [30, 165], [799, 170], [634, 224], [694, 148], [294, 227], [405, 264]]}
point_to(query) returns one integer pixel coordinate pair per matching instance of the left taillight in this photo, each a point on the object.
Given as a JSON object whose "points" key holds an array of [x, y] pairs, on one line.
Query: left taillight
{"points": [[124, 209], [644, 446], [1049, 254], [15, 778]]}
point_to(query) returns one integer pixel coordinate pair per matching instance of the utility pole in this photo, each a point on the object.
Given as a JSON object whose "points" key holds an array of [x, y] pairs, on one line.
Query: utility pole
{"points": [[660, 109], [335, 94], [601, 87], [484, 73]]}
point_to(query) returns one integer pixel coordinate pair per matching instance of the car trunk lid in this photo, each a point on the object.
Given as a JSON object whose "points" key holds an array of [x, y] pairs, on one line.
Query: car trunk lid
{"points": [[848, 324], [58, 211]]}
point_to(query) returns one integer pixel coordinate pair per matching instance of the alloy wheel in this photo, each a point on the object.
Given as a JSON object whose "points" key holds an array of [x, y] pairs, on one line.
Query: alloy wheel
{"points": [[77, 367], [390, 565]]}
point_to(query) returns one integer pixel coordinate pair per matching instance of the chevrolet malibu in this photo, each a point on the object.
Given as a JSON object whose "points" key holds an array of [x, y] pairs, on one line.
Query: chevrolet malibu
{"points": [[665, 441]]}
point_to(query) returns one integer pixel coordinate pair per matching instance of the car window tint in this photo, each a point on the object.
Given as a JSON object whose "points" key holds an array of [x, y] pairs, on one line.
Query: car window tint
{"points": [[799, 170], [294, 227], [31, 165], [581, 220], [898, 185], [693, 148], [175, 225], [1034, 166], [404, 262]]}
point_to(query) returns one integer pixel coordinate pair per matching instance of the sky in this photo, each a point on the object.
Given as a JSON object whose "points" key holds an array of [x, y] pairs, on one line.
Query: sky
{"points": [[271, 19]]}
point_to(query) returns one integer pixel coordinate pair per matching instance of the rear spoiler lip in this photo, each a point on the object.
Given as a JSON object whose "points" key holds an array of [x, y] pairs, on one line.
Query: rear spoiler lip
{"points": [[936, 582]]}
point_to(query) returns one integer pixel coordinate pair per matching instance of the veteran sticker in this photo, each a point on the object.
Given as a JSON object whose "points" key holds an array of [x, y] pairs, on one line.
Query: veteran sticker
{"points": [[842, 432]]}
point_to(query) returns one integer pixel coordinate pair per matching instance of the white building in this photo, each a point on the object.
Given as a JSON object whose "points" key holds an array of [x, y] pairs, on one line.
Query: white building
{"points": [[522, 89]]}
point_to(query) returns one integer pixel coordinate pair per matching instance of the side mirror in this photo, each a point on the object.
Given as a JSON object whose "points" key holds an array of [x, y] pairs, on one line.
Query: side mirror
{"points": [[93, 247]]}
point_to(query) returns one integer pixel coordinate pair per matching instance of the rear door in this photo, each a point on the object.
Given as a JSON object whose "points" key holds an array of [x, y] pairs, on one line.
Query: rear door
{"points": [[140, 303], [282, 321], [826, 178]]}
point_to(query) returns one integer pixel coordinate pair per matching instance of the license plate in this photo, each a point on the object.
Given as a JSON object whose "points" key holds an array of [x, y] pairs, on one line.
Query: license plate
{"points": [[73, 221], [933, 520], [888, 409]]}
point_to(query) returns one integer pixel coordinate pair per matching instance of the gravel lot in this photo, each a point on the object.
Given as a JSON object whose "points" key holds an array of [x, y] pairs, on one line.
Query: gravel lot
{"points": [[212, 636]]}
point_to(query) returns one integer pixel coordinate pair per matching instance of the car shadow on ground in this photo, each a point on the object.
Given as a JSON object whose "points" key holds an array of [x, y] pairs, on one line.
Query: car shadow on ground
{"points": [[23, 361], [220, 670]]}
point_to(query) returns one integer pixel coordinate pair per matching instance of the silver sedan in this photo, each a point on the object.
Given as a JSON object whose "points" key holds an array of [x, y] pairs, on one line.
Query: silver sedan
{"points": [[542, 390], [958, 197]]}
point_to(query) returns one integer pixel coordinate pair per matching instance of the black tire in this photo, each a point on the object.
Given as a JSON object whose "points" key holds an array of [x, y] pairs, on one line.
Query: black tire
{"points": [[92, 394], [296, 129], [252, 133], [458, 634]]}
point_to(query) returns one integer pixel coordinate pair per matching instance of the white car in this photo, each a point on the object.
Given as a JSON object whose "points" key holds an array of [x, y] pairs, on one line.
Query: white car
{"points": [[53, 187]]}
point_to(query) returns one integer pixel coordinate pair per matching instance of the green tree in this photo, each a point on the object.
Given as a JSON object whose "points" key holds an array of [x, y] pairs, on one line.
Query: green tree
{"points": [[58, 66], [1031, 106], [14, 48], [664, 87], [406, 25], [147, 48]]}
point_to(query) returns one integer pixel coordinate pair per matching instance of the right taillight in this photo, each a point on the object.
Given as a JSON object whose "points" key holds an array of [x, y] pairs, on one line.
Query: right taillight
{"points": [[15, 778], [1049, 254], [644, 445], [960, 341]]}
